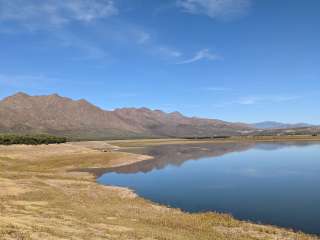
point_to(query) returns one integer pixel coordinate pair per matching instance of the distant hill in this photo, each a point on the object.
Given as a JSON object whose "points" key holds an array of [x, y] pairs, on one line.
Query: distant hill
{"points": [[279, 125], [53, 114]]}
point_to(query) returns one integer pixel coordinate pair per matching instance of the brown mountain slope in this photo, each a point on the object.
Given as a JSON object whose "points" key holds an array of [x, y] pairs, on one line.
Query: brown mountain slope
{"points": [[63, 116]]}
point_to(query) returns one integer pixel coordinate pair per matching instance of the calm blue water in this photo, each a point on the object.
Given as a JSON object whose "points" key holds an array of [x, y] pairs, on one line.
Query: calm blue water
{"points": [[276, 184]]}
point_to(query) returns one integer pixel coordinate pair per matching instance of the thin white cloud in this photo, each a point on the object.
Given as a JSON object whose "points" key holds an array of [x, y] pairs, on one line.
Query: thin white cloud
{"points": [[248, 100], [25, 80], [93, 42], [36, 13], [168, 52], [217, 9], [142, 36], [54, 17], [204, 54], [257, 100], [251, 100], [83, 48]]}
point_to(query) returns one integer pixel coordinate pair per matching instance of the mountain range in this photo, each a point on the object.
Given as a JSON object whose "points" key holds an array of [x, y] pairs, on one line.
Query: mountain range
{"points": [[79, 119], [279, 125], [53, 114]]}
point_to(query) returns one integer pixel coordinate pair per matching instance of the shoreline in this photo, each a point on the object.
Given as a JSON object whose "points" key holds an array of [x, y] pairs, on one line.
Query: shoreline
{"points": [[124, 145], [44, 184], [159, 142]]}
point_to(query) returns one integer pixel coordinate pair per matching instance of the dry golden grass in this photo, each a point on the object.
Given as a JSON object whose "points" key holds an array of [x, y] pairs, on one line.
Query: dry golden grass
{"points": [[41, 199]]}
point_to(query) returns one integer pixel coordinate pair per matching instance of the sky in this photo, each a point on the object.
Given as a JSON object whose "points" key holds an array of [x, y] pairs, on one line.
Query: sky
{"points": [[235, 60]]}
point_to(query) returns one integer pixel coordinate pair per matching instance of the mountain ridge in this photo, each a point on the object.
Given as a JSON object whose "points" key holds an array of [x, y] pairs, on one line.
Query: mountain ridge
{"points": [[279, 125], [80, 119], [54, 114]]}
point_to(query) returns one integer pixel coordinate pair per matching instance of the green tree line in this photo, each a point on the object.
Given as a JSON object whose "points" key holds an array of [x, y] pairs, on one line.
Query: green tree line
{"points": [[9, 139]]}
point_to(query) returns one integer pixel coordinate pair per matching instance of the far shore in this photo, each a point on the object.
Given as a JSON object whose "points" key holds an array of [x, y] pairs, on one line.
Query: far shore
{"points": [[162, 141]]}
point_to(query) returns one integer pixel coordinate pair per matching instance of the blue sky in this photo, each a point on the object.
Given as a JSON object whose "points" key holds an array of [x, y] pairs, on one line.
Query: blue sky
{"points": [[236, 60]]}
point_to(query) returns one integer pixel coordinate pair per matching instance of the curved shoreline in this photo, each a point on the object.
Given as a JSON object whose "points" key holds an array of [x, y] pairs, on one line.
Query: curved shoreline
{"points": [[42, 199], [151, 158]]}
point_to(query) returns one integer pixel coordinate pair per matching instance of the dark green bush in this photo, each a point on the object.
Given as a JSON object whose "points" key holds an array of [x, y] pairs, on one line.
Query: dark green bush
{"points": [[9, 139]]}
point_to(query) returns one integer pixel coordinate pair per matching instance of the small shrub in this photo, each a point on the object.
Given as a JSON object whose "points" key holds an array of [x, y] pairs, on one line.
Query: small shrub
{"points": [[9, 139]]}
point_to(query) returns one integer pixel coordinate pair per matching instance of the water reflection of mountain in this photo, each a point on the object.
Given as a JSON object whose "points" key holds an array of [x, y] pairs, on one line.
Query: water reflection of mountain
{"points": [[165, 155], [175, 155], [278, 145]]}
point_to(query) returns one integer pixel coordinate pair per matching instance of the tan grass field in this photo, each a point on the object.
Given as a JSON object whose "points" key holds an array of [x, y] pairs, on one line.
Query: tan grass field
{"points": [[42, 198]]}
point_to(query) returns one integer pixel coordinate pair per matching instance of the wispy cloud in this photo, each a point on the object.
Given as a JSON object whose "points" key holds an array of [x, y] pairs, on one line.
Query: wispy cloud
{"points": [[85, 49], [167, 52], [42, 81], [25, 80], [217, 9], [251, 100], [141, 36], [94, 42], [257, 100], [204, 54], [53, 17], [36, 13]]}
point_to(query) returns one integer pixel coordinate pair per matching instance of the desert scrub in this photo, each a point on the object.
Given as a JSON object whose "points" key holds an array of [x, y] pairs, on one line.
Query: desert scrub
{"points": [[10, 139]]}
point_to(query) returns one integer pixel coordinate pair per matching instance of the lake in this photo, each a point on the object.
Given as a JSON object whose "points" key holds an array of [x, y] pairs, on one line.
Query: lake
{"points": [[269, 183]]}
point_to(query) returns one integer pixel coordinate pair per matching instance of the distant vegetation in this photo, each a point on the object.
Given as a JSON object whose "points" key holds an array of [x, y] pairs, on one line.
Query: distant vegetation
{"points": [[213, 137], [9, 139]]}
